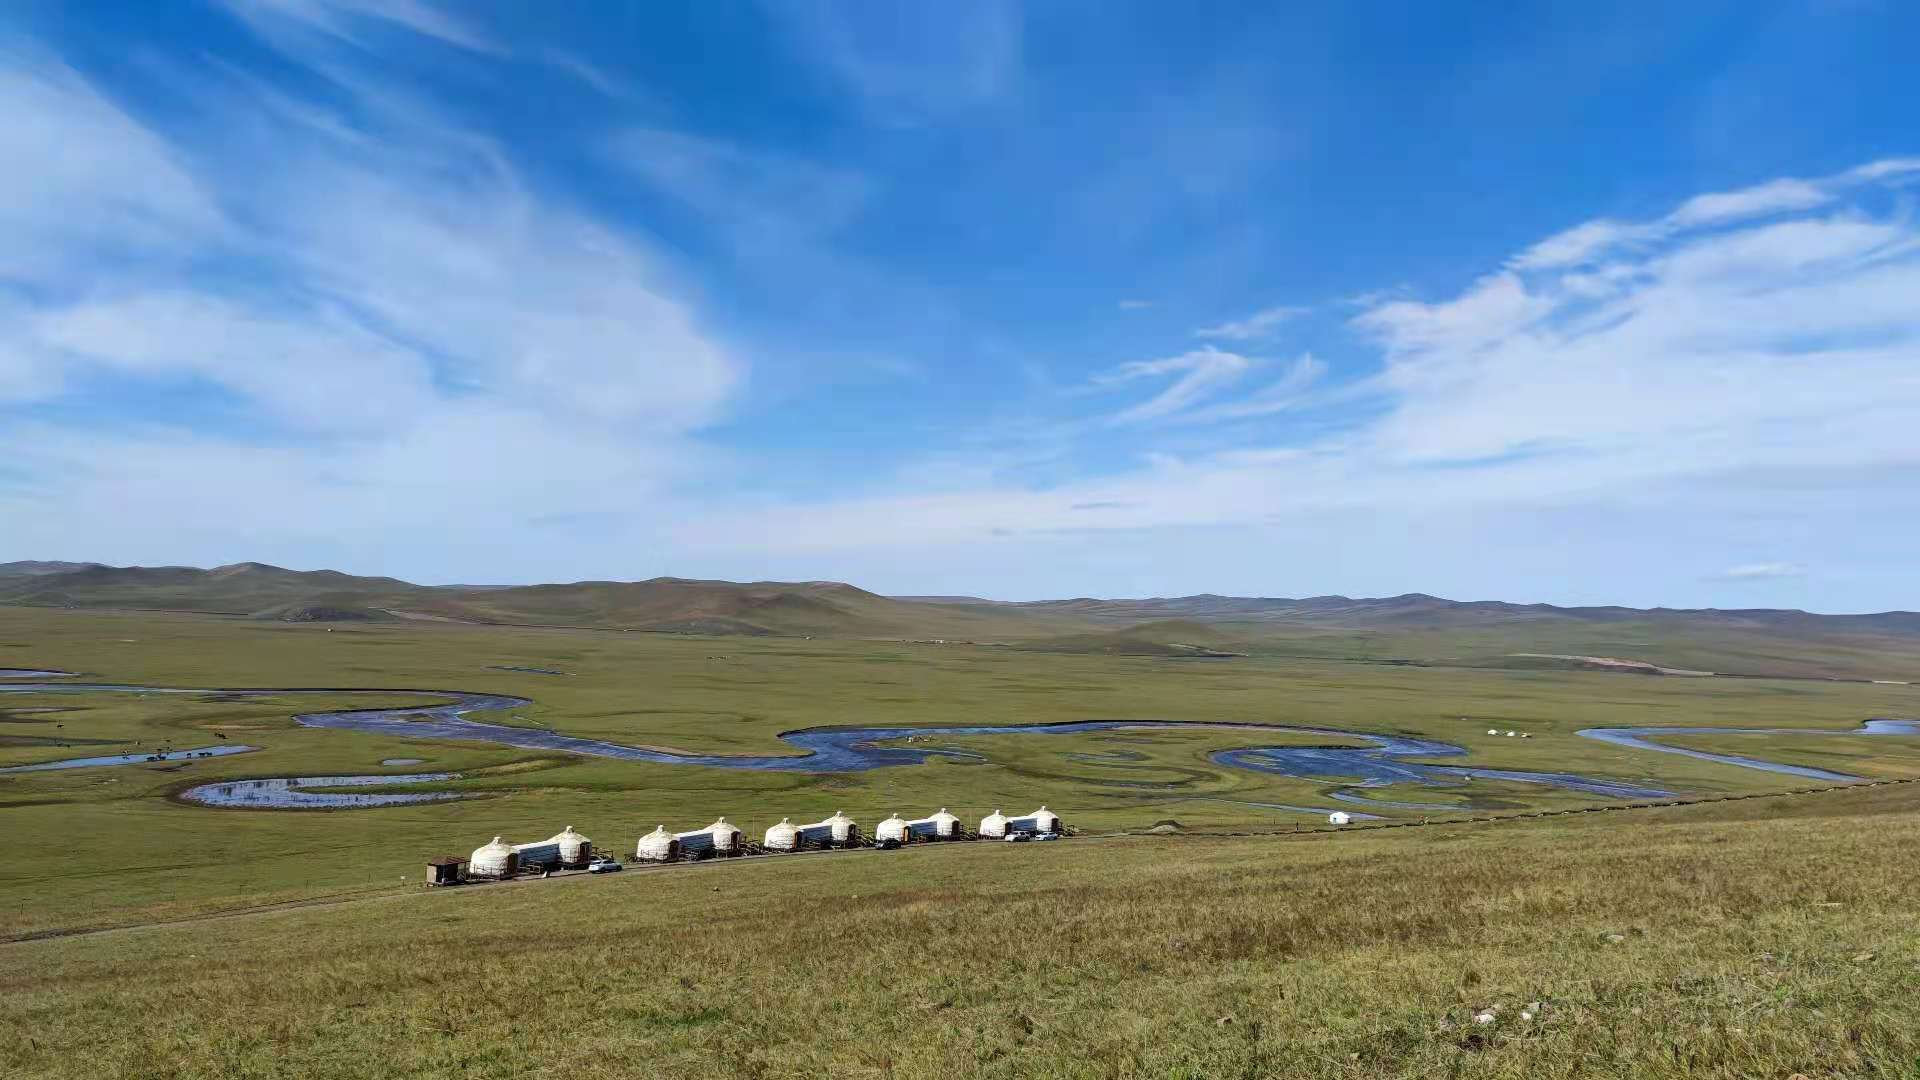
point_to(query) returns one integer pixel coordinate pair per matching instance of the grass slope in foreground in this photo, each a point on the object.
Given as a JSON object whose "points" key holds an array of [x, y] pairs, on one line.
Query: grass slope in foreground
{"points": [[1759, 938]]}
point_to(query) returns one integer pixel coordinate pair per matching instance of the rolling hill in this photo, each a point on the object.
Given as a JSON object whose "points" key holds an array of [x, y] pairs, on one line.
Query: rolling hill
{"points": [[1413, 627], [1419, 610], [1166, 637], [32, 568], [823, 608]]}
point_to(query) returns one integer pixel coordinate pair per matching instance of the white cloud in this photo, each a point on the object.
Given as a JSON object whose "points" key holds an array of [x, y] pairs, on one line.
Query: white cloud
{"points": [[1582, 243], [67, 198], [1258, 325], [598, 78], [345, 19], [316, 371], [1741, 345], [1592, 240], [1887, 169], [1767, 571], [907, 61], [1200, 373], [1773, 197], [758, 194], [1286, 392], [1763, 344], [398, 331]]}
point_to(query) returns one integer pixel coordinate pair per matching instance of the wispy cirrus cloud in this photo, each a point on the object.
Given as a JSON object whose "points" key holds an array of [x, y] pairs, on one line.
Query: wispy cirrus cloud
{"points": [[1258, 325], [1197, 375], [1772, 340], [1592, 240], [908, 63], [375, 320], [757, 193], [75, 206], [350, 20], [1201, 381]]}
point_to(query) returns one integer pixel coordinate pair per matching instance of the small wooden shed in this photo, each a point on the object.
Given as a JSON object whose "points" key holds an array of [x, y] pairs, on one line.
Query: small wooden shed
{"points": [[446, 870]]}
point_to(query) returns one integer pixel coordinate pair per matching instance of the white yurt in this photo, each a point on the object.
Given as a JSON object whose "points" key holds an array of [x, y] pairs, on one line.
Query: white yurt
{"points": [[726, 838], [1339, 817], [894, 828], [946, 826], [836, 831], [783, 837], [842, 828], [493, 860], [939, 826], [657, 846], [1046, 821], [575, 849], [993, 826]]}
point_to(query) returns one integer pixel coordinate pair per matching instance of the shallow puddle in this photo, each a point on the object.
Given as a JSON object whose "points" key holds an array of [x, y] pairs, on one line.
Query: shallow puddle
{"points": [[290, 792], [145, 757]]}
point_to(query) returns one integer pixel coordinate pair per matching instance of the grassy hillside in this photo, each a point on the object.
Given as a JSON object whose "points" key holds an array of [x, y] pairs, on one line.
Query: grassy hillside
{"points": [[1414, 627], [819, 608], [1752, 652], [1755, 939], [1163, 637], [240, 588]]}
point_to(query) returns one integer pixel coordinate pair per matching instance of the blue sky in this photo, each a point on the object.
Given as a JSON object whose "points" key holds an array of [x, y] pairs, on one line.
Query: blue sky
{"points": [[1545, 303]]}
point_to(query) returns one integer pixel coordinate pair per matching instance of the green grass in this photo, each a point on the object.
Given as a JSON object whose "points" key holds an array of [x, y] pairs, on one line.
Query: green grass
{"points": [[1758, 938], [132, 855], [1740, 651], [156, 938]]}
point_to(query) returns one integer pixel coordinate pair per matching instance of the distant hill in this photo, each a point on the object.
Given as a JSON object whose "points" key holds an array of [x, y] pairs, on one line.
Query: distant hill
{"points": [[823, 608], [1412, 628], [242, 588], [1168, 637], [34, 569], [1419, 610]]}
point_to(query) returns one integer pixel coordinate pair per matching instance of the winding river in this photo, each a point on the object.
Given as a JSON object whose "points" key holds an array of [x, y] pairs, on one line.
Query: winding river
{"points": [[1383, 762]]}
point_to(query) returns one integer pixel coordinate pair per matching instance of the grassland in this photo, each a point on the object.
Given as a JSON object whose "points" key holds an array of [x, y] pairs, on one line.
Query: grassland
{"points": [[1355, 954], [1753, 939], [134, 855]]}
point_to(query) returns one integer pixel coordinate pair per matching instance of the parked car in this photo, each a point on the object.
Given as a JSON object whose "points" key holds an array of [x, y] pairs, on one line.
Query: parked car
{"points": [[604, 866], [1019, 837]]}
